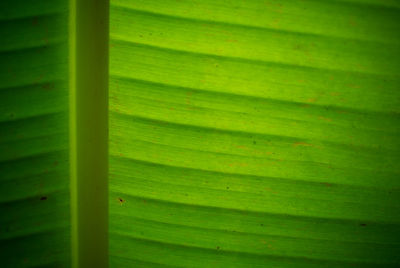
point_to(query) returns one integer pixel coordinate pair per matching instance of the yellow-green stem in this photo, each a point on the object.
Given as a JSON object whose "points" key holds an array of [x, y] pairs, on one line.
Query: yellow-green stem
{"points": [[89, 132]]}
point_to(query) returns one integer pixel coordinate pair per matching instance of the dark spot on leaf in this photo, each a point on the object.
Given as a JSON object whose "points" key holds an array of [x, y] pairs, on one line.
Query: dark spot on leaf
{"points": [[227, 187], [48, 86], [262, 224], [35, 21], [254, 142], [217, 247], [43, 198], [363, 224], [121, 201]]}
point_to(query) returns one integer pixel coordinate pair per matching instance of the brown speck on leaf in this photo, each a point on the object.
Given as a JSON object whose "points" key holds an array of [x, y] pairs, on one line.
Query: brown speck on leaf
{"points": [[45, 40], [217, 247], [242, 147], [327, 184], [121, 201], [270, 247], [48, 86], [353, 86], [43, 198], [268, 189], [301, 143], [363, 224], [189, 98], [352, 22], [35, 21], [334, 94], [324, 118]]}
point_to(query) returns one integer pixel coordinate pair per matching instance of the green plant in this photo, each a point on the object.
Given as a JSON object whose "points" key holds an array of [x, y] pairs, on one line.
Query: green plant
{"points": [[241, 133]]}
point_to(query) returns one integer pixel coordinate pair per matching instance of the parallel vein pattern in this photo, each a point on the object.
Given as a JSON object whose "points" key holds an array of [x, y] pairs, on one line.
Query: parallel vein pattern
{"points": [[254, 133], [34, 180]]}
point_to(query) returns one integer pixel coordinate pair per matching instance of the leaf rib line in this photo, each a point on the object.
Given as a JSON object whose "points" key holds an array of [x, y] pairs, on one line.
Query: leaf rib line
{"points": [[266, 255], [254, 97], [257, 212], [245, 26], [248, 133], [253, 233]]}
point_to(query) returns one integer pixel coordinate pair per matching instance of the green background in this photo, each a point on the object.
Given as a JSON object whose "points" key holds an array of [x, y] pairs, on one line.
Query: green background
{"points": [[34, 169], [254, 133], [241, 133]]}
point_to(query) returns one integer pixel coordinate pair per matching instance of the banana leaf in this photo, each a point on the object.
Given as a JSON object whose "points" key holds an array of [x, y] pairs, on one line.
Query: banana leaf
{"points": [[241, 134], [34, 152], [254, 133]]}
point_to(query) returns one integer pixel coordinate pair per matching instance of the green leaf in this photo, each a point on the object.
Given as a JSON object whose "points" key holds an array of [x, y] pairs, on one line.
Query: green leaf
{"points": [[242, 133], [254, 134], [34, 179]]}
